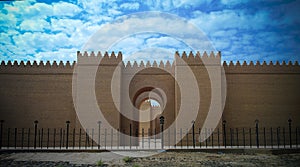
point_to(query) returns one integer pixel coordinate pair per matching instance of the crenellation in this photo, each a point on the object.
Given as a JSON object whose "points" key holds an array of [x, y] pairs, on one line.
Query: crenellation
{"points": [[142, 64], [184, 56], [15, 63], [106, 55], [251, 64], [168, 65], [191, 55], [148, 64], [9, 64], [135, 65], [61, 64], [257, 63], [99, 54], [283, 63], [85, 54], [91, 58], [22, 64], [92, 54], [54, 64], [128, 65], [68, 65], [204, 55], [198, 59], [161, 64], [244, 64], [48, 65], [212, 55], [198, 56], [218, 55]]}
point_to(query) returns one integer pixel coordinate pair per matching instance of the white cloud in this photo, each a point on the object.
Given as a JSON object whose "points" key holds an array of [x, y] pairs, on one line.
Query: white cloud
{"points": [[65, 9], [34, 25], [41, 41], [61, 54], [167, 42], [130, 6], [226, 19], [66, 25], [8, 21]]}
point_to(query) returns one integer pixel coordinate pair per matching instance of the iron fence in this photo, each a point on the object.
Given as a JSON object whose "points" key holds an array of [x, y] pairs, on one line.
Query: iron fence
{"points": [[113, 139]]}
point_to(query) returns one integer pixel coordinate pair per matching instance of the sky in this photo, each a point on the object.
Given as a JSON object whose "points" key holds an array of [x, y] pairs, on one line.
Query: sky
{"points": [[244, 30]]}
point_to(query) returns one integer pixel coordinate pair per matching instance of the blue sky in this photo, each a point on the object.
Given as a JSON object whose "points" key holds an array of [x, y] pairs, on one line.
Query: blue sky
{"points": [[240, 29]]}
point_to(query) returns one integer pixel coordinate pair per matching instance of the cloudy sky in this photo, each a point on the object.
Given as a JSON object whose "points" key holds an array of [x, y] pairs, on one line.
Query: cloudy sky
{"points": [[240, 29]]}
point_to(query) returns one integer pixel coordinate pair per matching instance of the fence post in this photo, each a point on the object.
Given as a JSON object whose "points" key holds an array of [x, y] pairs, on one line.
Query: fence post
{"points": [[181, 137], [256, 131], [92, 138], [136, 135], [1, 133], [79, 141], [218, 137], [67, 139], [162, 121], [22, 138], [278, 138], [271, 137], [16, 130], [296, 137], [290, 131], [142, 137], [237, 137], [283, 131], [265, 144], [60, 138], [224, 133], [48, 137], [250, 137], [231, 137], [111, 138], [8, 134], [54, 137], [42, 135], [35, 132], [105, 135], [193, 124], [74, 131], [244, 138], [99, 134], [130, 133]]}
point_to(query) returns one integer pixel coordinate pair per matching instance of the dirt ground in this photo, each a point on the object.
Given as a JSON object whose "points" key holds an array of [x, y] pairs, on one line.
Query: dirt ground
{"points": [[168, 159]]}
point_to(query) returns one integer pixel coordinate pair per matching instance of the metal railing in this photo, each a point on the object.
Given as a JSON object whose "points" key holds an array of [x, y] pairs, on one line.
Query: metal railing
{"points": [[141, 139]]}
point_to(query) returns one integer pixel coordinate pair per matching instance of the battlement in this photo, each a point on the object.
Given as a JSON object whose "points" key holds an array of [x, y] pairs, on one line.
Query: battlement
{"points": [[263, 67], [91, 58], [198, 59], [37, 67], [36, 64]]}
